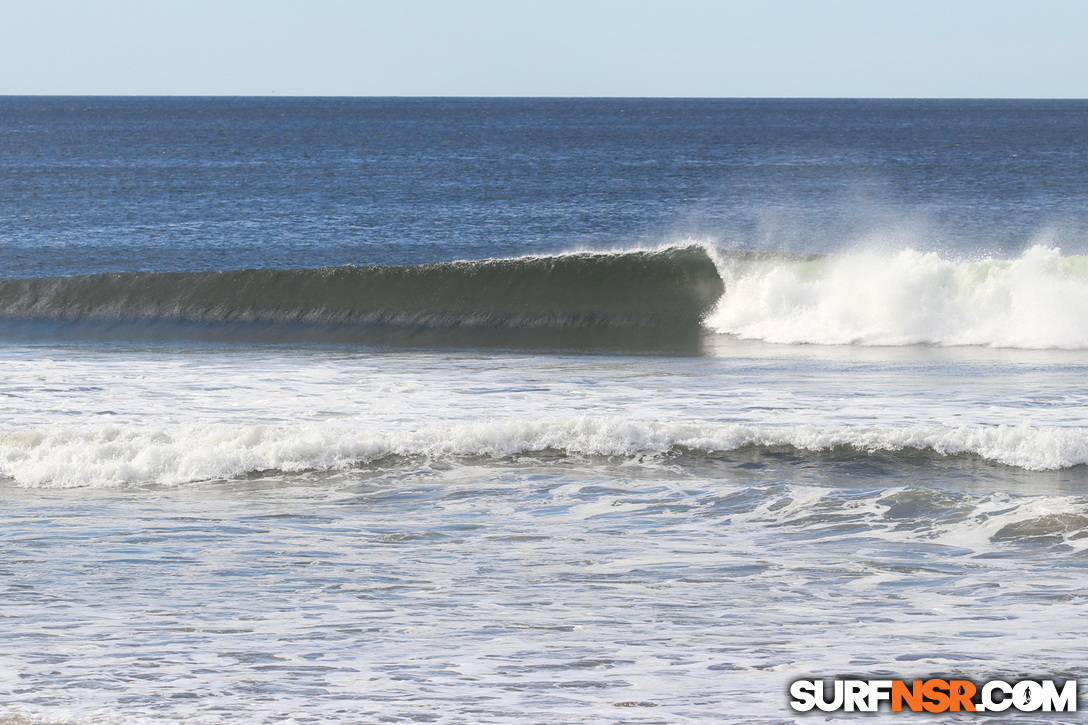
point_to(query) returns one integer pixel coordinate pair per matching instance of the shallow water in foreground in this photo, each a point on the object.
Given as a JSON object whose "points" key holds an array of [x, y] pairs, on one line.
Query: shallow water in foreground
{"points": [[525, 591], [589, 569]]}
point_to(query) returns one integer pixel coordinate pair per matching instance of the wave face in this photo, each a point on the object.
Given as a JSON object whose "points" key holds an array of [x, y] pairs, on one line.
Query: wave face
{"points": [[639, 290], [1039, 300], [108, 456]]}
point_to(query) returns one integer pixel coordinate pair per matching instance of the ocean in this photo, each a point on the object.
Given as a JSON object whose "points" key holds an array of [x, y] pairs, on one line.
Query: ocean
{"points": [[379, 410]]}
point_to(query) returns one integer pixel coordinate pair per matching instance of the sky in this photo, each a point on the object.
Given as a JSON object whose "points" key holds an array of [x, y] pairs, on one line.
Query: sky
{"points": [[674, 48]]}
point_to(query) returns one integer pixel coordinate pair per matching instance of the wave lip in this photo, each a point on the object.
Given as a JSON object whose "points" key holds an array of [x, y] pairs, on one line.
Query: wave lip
{"points": [[1039, 300], [108, 456], [633, 290]]}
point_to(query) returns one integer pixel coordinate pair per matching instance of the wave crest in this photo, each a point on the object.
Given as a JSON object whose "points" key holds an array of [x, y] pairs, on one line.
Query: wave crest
{"points": [[116, 455]]}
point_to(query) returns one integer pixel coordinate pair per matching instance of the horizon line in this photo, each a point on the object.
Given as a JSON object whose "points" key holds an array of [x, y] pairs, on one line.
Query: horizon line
{"points": [[543, 97]]}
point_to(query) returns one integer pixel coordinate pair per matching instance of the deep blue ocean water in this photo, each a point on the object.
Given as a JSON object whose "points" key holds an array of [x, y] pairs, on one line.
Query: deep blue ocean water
{"points": [[165, 184], [535, 410]]}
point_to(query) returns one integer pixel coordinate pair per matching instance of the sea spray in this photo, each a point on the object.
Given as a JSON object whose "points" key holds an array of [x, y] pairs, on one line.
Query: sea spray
{"points": [[1039, 300]]}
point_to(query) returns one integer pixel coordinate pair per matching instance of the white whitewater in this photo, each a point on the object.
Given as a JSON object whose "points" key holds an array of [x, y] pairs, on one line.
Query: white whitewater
{"points": [[1039, 300], [113, 456], [140, 416]]}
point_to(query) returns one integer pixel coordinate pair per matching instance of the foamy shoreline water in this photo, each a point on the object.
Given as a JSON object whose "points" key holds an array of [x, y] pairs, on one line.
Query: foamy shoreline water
{"points": [[536, 592]]}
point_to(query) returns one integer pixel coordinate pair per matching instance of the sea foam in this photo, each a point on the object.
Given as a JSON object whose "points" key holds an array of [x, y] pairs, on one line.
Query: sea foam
{"points": [[109, 456], [1039, 300]]}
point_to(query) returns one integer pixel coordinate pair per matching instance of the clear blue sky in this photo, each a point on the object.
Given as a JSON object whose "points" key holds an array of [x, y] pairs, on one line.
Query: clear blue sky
{"points": [[767, 48]]}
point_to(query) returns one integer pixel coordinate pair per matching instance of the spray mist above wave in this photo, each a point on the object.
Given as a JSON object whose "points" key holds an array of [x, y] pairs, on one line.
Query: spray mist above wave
{"points": [[1039, 300], [114, 455]]}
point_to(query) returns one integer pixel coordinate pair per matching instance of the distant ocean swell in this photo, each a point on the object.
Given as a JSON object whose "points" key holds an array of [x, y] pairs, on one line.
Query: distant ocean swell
{"points": [[1039, 300], [107, 456]]}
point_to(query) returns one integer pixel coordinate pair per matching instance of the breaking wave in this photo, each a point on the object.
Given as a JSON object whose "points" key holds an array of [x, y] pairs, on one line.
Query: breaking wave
{"points": [[1039, 300], [118, 455], [661, 297]]}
